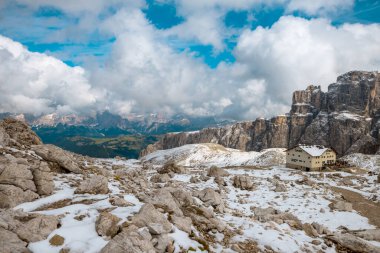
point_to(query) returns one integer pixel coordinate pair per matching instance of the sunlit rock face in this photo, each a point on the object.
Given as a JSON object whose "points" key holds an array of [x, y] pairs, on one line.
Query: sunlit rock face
{"points": [[346, 117]]}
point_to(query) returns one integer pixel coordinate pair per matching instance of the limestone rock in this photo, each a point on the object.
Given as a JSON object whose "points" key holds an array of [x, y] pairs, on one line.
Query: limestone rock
{"points": [[163, 198], [243, 182], [37, 229], [4, 137], [215, 171], [210, 197], [10, 243], [130, 240], [369, 234], [309, 230], [280, 187], [57, 155], [18, 175], [160, 178], [162, 242], [353, 243], [342, 206], [96, 184], [11, 196], [28, 227], [117, 201], [19, 132], [156, 229], [220, 181], [107, 224], [149, 215], [183, 223], [171, 167], [43, 179]]}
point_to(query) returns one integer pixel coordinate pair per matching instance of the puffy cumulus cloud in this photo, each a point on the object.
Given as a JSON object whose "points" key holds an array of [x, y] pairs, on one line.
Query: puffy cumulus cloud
{"points": [[320, 7], [296, 52], [204, 20], [144, 74], [36, 83]]}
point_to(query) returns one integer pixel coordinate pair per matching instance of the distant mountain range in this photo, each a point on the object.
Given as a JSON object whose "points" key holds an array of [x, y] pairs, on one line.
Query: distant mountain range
{"points": [[108, 135]]}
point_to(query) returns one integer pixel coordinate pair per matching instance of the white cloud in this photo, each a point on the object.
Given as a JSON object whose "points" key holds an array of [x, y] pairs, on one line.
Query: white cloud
{"points": [[144, 71], [145, 74], [36, 83], [296, 52], [320, 7]]}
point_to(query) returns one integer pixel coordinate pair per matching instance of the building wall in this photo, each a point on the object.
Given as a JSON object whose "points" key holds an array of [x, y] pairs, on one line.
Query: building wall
{"points": [[297, 158], [328, 157]]}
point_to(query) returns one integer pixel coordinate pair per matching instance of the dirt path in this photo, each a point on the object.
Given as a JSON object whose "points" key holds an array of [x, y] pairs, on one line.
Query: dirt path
{"points": [[365, 207]]}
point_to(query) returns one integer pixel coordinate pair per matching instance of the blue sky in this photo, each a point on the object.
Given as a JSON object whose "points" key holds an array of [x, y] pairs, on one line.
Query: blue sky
{"points": [[237, 59], [33, 27]]}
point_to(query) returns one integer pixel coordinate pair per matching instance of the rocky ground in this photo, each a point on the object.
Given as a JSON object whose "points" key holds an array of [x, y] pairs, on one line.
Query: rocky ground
{"points": [[196, 198]]}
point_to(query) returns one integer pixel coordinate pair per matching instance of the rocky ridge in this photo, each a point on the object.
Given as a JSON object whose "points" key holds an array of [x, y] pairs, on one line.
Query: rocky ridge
{"points": [[346, 117]]}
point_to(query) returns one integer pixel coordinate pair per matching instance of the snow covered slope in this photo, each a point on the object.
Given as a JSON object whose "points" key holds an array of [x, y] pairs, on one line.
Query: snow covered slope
{"points": [[209, 154]]}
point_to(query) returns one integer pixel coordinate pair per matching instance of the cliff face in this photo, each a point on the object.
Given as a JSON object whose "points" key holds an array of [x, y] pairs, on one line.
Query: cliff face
{"points": [[347, 118]]}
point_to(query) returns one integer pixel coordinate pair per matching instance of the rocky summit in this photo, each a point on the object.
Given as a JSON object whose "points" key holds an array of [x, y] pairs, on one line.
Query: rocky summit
{"points": [[346, 118], [194, 198]]}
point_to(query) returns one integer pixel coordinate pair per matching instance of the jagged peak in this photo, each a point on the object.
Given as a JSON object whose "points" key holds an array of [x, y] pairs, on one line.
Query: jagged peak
{"points": [[356, 75]]}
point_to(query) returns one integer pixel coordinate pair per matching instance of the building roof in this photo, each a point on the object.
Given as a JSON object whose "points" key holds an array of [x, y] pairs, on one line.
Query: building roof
{"points": [[313, 150]]}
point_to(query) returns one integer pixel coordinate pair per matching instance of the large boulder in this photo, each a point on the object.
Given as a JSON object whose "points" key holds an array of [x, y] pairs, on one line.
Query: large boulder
{"points": [[107, 224], [171, 167], [43, 179], [160, 178], [28, 227], [10, 243], [369, 234], [23, 177], [164, 199], [243, 182], [353, 243], [131, 240], [215, 171], [19, 175], [341, 205], [149, 216], [211, 198], [63, 158], [183, 223], [19, 132], [96, 184], [38, 228], [11, 196]]}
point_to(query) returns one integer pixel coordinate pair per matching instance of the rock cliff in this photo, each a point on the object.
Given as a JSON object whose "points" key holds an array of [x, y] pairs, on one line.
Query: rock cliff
{"points": [[346, 117]]}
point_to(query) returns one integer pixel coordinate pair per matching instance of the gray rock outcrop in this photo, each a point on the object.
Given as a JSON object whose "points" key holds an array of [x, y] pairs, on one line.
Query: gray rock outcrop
{"points": [[353, 243], [63, 158], [243, 182], [96, 184], [107, 224], [344, 118]]}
